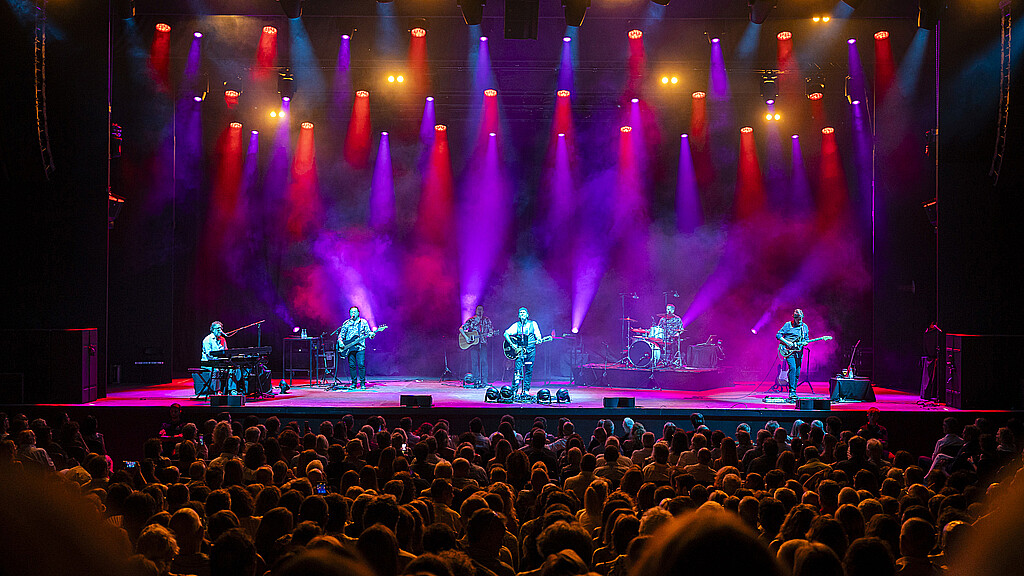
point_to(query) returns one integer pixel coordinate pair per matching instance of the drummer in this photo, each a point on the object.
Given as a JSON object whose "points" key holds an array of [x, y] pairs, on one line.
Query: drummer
{"points": [[670, 324]]}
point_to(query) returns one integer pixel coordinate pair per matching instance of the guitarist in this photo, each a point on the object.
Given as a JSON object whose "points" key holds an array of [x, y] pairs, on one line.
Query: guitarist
{"points": [[353, 329], [527, 334], [478, 350], [792, 334]]}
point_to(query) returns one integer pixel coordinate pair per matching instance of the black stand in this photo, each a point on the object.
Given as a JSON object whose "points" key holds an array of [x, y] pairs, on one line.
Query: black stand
{"points": [[807, 372], [447, 371]]}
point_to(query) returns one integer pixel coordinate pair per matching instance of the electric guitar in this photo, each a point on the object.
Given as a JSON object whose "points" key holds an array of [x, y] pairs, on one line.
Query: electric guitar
{"points": [[512, 351], [797, 347], [470, 339], [346, 346]]}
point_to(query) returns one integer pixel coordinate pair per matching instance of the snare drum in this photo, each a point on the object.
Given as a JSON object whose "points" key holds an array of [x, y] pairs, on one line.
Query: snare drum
{"points": [[656, 332], [644, 354]]}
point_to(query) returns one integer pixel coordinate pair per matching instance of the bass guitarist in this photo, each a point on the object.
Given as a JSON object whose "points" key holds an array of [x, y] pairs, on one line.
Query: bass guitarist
{"points": [[792, 335], [523, 335], [353, 333], [475, 331]]}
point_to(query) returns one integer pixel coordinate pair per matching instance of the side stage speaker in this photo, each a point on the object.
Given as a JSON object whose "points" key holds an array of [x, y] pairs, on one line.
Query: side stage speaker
{"points": [[619, 402], [854, 389], [417, 400], [230, 400], [813, 404]]}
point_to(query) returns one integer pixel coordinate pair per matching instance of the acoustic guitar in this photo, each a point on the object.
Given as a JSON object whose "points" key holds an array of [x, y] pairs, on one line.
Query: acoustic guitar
{"points": [[512, 351]]}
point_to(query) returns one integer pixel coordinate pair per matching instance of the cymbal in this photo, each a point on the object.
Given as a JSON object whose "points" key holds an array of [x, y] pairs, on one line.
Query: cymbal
{"points": [[627, 319]]}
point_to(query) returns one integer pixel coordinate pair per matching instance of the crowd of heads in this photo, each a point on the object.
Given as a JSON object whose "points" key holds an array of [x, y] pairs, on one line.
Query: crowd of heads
{"points": [[248, 496]]}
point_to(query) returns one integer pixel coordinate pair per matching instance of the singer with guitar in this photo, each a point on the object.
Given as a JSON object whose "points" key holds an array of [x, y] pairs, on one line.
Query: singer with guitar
{"points": [[523, 335], [352, 344], [793, 335], [473, 335]]}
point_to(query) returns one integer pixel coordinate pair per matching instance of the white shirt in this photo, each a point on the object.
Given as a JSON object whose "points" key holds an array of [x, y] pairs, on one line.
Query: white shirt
{"points": [[211, 343], [529, 328]]}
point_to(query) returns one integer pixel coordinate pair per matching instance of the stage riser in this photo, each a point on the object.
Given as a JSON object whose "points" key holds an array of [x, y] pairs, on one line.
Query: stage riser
{"points": [[689, 380]]}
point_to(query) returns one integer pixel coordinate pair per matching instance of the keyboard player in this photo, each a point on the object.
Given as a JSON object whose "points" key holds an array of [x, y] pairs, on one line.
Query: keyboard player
{"points": [[215, 340]]}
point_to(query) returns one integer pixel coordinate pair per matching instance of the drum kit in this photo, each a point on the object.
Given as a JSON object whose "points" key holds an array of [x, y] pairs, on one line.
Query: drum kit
{"points": [[654, 347]]}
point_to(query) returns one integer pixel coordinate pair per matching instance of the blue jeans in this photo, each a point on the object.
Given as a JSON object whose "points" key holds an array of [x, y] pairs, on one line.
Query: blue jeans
{"points": [[524, 366], [478, 362], [357, 366], [794, 363]]}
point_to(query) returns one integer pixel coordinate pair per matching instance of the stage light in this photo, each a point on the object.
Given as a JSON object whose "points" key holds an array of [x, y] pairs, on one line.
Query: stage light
{"points": [[269, 30], [716, 40], [851, 41], [635, 34], [795, 136], [362, 94], [255, 132], [664, 79], [440, 128], [561, 134], [307, 125], [273, 113], [419, 28], [492, 134], [430, 98], [674, 80], [881, 35], [566, 39], [296, 329], [400, 78], [507, 394], [418, 32], [815, 88], [197, 98], [753, 331], [197, 34], [635, 100], [746, 130], [768, 116], [626, 129], [491, 395], [383, 133], [575, 11], [345, 37], [285, 99], [291, 8], [825, 18], [391, 78], [855, 102], [777, 117], [163, 28], [562, 395], [483, 38], [563, 93], [490, 92], [286, 85], [236, 125], [699, 95], [544, 396], [769, 87], [828, 130], [760, 9], [785, 35]]}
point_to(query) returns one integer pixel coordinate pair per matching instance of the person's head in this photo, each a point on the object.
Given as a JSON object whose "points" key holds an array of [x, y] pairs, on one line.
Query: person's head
{"points": [[217, 328], [706, 542], [917, 538], [798, 317], [379, 546], [479, 310], [869, 557], [353, 313], [951, 425], [485, 530], [524, 314], [158, 545], [670, 309], [873, 414], [816, 559], [175, 411], [232, 554]]}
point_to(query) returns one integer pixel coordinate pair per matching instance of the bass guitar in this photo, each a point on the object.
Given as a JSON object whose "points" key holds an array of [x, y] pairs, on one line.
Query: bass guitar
{"points": [[512, 351], [470, 339], [346, 346], [797, 347]]}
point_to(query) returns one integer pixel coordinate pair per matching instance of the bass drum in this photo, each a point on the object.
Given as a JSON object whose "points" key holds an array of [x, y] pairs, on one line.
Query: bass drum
{"points": [[644, 354]]}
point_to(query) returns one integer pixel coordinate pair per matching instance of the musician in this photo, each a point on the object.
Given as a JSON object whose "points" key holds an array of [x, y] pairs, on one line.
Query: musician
{"points": [[670, 323], [214, 341], [478, 353], [792, 334], [527, 335], [353, 329]]}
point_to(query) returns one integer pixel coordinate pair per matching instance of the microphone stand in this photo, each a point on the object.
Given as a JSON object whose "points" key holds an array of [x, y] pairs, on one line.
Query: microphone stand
{"points": [[447, 371]]}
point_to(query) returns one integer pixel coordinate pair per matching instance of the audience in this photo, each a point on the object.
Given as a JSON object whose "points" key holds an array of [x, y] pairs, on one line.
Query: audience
{"points": [[272, 498]]}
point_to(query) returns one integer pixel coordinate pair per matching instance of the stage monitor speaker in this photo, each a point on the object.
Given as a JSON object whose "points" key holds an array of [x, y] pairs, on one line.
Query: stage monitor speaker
{"points": [[417, 400], [855, 389], [813, 404], [619, 402], [231, 400], [201, 380]]}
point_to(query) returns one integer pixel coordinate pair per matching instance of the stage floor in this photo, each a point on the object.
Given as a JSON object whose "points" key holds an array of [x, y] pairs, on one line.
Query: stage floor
{"points": [[386, 392]]}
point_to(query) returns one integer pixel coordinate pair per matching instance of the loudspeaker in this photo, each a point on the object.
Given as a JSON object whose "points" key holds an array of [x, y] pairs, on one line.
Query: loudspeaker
{"points": [[982, 372], [857, 389], [51, 366], [201, 379], [521, 18], [619, 402], [813, 404], [417, 400], [227, 400]]}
